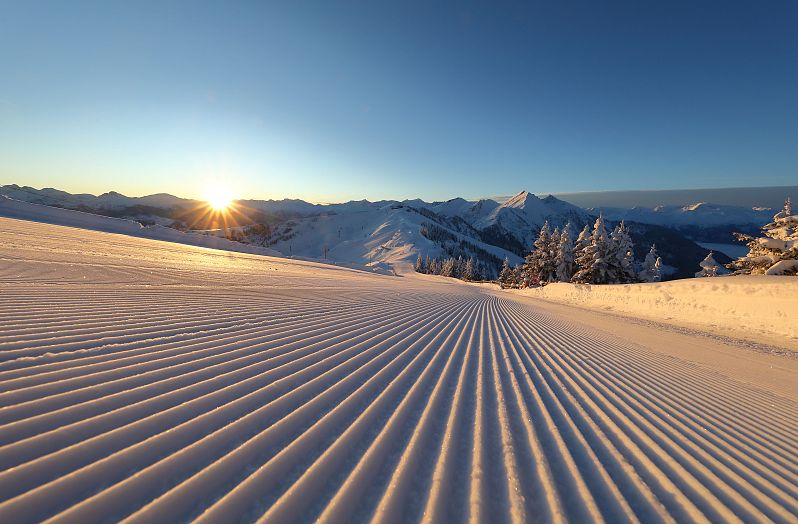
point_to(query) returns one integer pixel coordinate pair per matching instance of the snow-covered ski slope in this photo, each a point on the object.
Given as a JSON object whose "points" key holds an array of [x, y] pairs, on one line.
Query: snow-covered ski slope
{"points": [[159, 382]]}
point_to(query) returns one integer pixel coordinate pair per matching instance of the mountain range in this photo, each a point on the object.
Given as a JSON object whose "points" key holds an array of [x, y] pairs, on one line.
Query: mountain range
{"points": [[392, 232]]}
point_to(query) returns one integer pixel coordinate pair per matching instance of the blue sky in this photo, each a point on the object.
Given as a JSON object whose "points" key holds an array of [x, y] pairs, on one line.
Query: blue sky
{"points": [[332, 101]]}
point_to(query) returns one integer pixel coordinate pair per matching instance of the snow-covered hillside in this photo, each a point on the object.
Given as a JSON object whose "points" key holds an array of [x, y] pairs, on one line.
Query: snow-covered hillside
{"points": [[387, 233], [160, 382], [11, 208]]}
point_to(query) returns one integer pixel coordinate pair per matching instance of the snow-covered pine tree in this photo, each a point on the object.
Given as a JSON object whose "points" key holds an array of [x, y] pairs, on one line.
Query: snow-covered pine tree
{"points": [[651, 271], [427, 266], [470, 271], [529, 276], [434, 267], [777, 252], [554, 246], [448, 267], [548, 271], [709, 267], [419, 265], [564, 260], [506, 274], [582, 241], [518, 276], [592, 261], [622, 259], [539, 264], [459, 267]]}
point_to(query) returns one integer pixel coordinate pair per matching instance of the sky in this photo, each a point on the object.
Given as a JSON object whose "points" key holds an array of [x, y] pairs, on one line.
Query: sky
{"points": [[332, 101]]}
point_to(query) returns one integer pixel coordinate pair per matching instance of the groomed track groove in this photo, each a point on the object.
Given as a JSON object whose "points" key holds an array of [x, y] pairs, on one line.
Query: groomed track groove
{"points": [[144, 381]]}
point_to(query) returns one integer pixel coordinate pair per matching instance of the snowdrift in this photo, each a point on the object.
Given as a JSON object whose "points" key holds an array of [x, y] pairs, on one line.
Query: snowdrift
{"points": [[742, 305]]}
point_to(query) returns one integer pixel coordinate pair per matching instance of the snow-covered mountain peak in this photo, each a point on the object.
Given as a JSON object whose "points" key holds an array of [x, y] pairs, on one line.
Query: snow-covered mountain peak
{"points": [[525, 213], [456, 206], [694, 207], [521, 200]]}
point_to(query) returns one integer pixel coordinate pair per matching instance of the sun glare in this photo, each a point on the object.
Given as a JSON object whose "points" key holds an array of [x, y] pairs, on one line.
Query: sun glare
{"points": [[218, 196]]}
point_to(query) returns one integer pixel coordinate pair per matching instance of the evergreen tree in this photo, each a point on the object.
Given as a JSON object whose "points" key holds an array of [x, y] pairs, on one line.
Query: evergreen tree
{"points": [[427, 265], [548, 270], [592, 261], [433, 268], [506, 274], [470, 270], [419, 265], [518, 276], [539, 264], [582, 241], [528, 275], [552, 250], [459, 267], [564, 260], [448, 267], [777, 252], [621, 260], [652, 265]]}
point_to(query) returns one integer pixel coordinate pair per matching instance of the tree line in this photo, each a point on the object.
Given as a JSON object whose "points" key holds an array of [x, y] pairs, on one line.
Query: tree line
{"points": [[594, 257], [465, 269], [456, 248]]}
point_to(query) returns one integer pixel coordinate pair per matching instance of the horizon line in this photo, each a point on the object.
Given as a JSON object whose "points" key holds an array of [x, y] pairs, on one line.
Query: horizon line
{"points": [[496, 198]]}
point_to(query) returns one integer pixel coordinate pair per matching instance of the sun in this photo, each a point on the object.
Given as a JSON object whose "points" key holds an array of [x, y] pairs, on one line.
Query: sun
{"points": [[218, 196]]}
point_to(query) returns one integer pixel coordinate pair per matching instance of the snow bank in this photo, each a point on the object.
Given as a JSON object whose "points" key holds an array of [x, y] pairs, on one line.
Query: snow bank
{"points": [[745, 305]]}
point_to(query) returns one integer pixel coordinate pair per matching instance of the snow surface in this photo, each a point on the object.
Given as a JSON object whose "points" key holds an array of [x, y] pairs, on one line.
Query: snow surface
{"points": [[162, 382], [745, 305]]}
